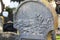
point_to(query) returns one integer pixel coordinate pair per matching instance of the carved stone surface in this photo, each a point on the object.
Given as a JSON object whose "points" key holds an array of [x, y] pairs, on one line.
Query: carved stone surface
{"points": [[34, 20]]}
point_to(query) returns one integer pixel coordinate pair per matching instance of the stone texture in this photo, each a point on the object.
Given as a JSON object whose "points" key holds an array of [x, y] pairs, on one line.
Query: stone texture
{"points": [[34, 20], [1, 25]]}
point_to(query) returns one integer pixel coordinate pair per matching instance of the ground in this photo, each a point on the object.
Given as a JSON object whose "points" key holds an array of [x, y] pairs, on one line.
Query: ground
{"points": [[8, 36]]}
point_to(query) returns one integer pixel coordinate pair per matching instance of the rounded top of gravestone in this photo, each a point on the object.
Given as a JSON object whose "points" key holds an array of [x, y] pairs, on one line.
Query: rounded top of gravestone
{"points": [[36, 8], [33, 18], [36, 12]]}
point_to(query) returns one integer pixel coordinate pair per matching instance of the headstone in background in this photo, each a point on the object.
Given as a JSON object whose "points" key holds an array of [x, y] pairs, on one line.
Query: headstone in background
{"points": [[5, 13], [1, 24]]}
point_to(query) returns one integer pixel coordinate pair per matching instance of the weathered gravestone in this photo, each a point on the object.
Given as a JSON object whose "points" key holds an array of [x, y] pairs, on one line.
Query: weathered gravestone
{"points": [[1, 24], [34, 21]]}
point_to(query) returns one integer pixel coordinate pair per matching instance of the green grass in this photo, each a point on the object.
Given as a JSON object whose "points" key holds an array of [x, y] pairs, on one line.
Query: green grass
{"points": [[57, 37]]}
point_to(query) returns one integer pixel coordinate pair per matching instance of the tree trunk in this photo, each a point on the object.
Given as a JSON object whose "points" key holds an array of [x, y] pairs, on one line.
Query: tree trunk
{"points": [[2, 5]]}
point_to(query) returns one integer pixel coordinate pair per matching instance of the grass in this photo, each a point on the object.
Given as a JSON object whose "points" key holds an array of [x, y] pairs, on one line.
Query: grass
{"points": [[57, 37]]}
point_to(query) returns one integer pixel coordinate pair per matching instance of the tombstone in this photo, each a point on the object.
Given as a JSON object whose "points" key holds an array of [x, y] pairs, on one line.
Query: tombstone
{"points": [[1, 24], [34, 20]]}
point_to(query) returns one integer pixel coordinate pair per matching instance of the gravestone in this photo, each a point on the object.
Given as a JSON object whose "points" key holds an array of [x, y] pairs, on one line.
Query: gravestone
{"points": [[34, 21], [1, 24]]}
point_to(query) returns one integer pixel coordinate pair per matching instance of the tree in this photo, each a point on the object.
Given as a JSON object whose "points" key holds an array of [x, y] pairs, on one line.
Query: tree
{"points": [[2, 6]]}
